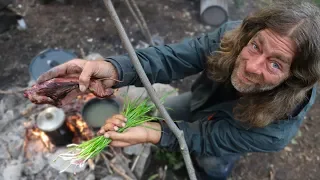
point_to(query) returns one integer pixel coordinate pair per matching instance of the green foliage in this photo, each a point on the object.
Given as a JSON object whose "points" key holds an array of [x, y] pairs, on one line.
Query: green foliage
{"points": [[174, 160], [317, 2]]}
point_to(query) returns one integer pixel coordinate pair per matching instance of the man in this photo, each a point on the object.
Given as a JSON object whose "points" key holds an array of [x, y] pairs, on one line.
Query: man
{"points": [[258, 82]]}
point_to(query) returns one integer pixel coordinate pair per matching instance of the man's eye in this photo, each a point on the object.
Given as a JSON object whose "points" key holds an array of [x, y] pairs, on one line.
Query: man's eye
{"points": [[255, 46], [275, 65]]}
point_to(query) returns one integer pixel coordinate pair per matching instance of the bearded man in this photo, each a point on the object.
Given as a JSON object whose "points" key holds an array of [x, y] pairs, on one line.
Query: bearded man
{"points": [[258, 81]]}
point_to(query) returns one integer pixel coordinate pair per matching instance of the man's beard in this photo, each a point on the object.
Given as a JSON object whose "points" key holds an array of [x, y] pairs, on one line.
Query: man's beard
{"points": [[247, 88]]}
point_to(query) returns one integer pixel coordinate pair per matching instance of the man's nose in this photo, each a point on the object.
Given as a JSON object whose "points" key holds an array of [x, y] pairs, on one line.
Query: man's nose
{"points": [[255, 65]]}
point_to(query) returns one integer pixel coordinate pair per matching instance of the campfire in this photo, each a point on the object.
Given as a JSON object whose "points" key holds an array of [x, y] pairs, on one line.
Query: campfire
{"points": [[127, 163], [73, 121]]}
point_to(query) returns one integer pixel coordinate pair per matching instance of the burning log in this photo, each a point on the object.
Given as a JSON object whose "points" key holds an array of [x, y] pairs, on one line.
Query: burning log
{"points": [[59, 91]]}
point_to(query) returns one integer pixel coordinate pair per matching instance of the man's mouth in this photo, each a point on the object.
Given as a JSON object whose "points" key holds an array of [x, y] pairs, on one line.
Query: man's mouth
{"points": [[244, 79]]}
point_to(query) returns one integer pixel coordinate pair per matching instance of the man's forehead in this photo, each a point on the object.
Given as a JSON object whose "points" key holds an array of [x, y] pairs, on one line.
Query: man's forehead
{"points": [[283, 46]]}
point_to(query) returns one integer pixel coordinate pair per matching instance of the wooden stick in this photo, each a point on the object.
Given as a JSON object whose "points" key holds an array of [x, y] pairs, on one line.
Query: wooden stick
{"points": [[145, 81], [107, 162], [121, 173], [12, 92], [91, 164], [137, 158], [144, 24], [137, 19]]}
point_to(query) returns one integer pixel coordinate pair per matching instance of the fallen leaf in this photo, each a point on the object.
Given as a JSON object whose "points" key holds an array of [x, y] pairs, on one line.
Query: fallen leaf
{"points": [[293, 141], [288, 149]]}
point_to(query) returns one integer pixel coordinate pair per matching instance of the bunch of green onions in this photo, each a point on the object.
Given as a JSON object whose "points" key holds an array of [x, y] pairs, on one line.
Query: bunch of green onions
{"points": [[136, 114]]}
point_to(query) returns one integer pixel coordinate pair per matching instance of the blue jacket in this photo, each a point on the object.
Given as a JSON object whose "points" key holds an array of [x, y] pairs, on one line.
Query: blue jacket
{"points": [[216, 135]]}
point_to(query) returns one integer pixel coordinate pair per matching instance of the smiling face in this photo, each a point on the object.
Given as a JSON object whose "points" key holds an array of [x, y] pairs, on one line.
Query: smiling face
{"points": [[263, 63]]}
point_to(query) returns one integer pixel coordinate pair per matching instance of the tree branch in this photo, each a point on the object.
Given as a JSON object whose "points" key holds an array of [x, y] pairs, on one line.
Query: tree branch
{"points": [[144, 79]]}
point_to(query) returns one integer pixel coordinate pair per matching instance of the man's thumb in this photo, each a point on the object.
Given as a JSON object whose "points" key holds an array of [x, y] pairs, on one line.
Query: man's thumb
{"points": [[85, 77]]}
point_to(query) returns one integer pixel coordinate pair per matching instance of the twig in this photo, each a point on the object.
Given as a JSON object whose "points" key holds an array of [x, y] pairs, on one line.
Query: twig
{"points": [[272, 173], [144, 24], [91, 164], [165, 172], [12, 92], [135, 16], [121, 173], [137, 158], [144, 79], [108, 153], [107, 162], [83, 55]]}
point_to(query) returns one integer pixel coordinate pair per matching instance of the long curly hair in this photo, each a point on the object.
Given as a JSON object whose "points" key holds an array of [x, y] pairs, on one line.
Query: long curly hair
{"points": [[298, 20]]}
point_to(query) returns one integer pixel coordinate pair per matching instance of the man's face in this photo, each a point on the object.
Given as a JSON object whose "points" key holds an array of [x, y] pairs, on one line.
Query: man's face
{"points": [[264, 63]]}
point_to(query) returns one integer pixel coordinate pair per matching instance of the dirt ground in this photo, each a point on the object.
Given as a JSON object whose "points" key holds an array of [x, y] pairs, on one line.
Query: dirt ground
{"points": [[85, 24]]}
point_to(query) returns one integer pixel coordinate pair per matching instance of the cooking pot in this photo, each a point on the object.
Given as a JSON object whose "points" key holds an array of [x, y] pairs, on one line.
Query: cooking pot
{"points": [[52, 122], [96, 111]]}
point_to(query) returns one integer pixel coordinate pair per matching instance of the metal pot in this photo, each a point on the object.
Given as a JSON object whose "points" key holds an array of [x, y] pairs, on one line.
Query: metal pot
{"points": [[214, 12], [96, 111], [48, 59], [52, 122]]}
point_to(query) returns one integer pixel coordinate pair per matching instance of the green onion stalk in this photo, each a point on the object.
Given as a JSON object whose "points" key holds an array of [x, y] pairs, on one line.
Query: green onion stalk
{"points": [[136, 113]]}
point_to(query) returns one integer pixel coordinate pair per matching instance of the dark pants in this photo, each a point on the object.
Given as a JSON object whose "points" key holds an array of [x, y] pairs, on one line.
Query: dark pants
{"points": [[213, 168]]}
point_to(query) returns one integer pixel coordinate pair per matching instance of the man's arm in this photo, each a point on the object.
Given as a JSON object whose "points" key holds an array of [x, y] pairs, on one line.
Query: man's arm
{"points": [[219, 137], [162, 64]]}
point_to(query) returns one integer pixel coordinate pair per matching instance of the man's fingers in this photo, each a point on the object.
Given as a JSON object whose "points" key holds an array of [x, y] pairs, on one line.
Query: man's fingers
{"points": [[85, 76], [71, 67], [115, 136], [120, 117], [113, 124], [110, 127], [52, 73]]}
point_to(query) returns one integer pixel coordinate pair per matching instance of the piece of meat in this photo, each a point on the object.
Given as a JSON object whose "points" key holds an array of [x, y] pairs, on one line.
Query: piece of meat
{"points": [[59, 91]]}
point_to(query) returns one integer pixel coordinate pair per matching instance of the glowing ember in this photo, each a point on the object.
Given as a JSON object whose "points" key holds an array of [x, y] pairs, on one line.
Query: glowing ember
{"points": [[79, 128]]}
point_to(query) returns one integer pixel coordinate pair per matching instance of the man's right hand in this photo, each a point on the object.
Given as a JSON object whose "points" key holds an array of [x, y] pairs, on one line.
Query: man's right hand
{"points": [[85, 70]]}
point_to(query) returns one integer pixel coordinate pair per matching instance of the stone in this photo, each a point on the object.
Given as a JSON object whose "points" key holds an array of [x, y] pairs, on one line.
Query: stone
{"points": [[61, 164], [61, 176], [7, 116], [2, 108], [142, 161], [13, 170], [14, 144], [134, 92], [113, 177], [35, 164], [90, 177], [133, 150], [4, 152], [11, 101]]}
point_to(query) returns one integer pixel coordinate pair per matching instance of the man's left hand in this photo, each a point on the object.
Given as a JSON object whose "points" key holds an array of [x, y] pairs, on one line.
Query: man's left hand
{"points": [[149, 132]]}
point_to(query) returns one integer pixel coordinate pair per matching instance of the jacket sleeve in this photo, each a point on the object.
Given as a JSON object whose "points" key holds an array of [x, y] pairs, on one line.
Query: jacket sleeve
{"points": [[219, 138], [162, 64]]}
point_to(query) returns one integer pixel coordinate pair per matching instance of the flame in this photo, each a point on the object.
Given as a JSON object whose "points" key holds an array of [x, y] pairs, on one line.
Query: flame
{"points": [[79, 128], [43, 137], [74, 122]]}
